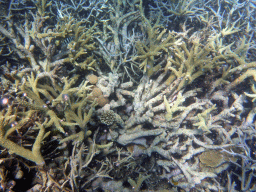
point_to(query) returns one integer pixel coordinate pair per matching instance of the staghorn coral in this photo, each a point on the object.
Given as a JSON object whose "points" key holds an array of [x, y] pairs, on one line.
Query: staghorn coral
{"points": [[6, 118], [136, 185], [32, 89], [77, 115], [158, 42], [54, 103], [189, 9], [189, 64], [80, 45], [156, 105], [116, 42], [38, 45]]}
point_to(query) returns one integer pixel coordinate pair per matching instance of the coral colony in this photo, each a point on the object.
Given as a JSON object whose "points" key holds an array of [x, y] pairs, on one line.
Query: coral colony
{"points": [[128, 95]]}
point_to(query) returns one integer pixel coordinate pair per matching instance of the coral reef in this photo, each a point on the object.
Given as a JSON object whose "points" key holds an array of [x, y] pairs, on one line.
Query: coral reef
{"points": [[127, 95]]}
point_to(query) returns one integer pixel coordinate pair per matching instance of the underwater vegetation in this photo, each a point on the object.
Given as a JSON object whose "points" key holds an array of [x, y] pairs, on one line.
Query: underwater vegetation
{"points": [[127, 95]]}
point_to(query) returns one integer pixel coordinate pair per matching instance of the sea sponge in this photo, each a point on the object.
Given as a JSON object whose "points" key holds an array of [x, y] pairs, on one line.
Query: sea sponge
{"points": [[93, 79], [96, 92], [102, 101]]}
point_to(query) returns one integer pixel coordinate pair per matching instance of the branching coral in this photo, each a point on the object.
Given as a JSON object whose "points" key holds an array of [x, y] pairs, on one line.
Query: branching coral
{"points": [[75, 114], [158, 42], [33, 90], [80, 45], [6, 118], [192, 59], [136, 185], [178, 8], [38, 45], [158, 105]]}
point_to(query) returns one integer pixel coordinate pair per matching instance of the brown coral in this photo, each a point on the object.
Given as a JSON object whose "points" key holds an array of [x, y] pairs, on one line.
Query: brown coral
{"points": [[93, 79], [102, 101], [211, 158], [96, 92]]}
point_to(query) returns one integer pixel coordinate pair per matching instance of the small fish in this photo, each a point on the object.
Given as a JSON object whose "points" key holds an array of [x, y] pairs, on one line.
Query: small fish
{"points": [[9, 77], [67, 40]]}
